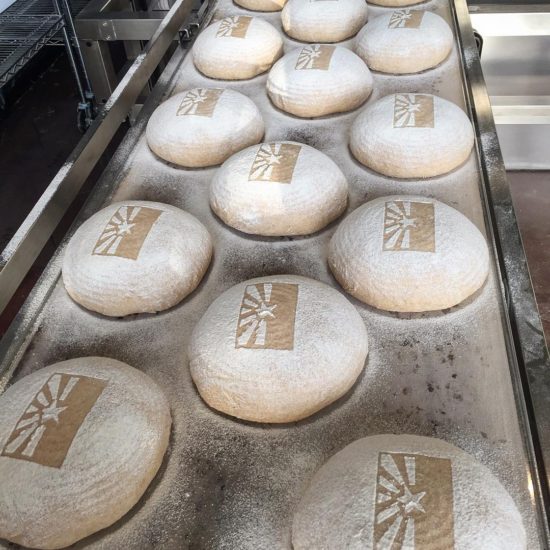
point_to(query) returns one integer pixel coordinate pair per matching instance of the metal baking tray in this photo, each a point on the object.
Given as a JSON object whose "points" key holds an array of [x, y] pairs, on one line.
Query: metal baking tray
{"points": [[453, 374]]}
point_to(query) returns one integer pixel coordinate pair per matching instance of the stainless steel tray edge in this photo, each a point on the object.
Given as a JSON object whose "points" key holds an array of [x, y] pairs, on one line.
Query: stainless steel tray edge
{"points": [[526, 344]]}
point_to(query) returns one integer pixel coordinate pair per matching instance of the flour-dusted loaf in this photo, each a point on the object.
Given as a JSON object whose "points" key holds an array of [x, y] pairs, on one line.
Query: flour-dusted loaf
{"points": [[279, 188], [319, 80], [406, 492], [395, 3], [409, 253], [237, 47], [80, 441], [136, 257], [261, 5], [323, 20], [404, 41], [277, 349], [204, 126], [412, 136]]}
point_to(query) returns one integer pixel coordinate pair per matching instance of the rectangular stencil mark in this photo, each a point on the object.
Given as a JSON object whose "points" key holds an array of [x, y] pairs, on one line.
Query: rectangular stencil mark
{"points": [[409, 225], [275, 162], [45, 431], [267, 316], [126, 232], [413, 503]]}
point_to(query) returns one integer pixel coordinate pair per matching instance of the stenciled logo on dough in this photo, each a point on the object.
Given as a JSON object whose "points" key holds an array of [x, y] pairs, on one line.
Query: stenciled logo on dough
{"points": [[235, 26], [317, 56], [414, 503], [409, 225], [406, 19], [45, 431], [199, 102], [267, 316], [126, 232], [275, 162], [413, 111]]}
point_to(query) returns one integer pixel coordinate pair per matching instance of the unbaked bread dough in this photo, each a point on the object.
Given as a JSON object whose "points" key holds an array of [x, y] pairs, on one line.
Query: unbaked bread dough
{"points": [[323, 20], [277, 349], [318, 80], [412, 136], [395, 3], [80, 441], [406, 492], [136, 257], [237, 47], [261, 5], [404, 41], [409, 253], [204, 126], [279, 188]]}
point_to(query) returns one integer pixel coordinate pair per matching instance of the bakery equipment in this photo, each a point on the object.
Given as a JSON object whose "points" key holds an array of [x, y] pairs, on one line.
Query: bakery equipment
{"points": [[476, 375]]}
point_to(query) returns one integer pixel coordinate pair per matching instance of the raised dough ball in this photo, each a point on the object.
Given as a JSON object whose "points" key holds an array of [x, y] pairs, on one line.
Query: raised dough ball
{"points": [[136, 257], [409, 253], [237, 47], [261, 5], [323, 20], [279, 188], [406, 491], [277, 349], [395, 3], [412, 136], [80, 441], [319, 80], [404, 41], [204, 126]]}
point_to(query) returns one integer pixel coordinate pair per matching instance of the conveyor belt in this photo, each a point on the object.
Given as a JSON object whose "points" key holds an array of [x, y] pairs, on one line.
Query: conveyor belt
{"points": [[454, 374]]}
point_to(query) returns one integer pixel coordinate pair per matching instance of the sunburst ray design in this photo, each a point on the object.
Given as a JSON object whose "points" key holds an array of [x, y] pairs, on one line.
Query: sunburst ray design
{"points": [[409, 19], [235, 26], [199, 102], [413, 111], [409, 225], [275, 162], [316, 56], [267, 316], [414, 500], [52, 414], [126, 231]]}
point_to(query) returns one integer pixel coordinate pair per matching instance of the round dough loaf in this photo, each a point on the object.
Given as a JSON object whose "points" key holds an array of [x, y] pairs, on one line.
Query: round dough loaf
{"points": [[136, 257], [319, 80], [404, 41], [204, 126], [80, 441], [406, 491], [396, 3], [277, 349], [412, 136], [237, 47], [323, 20], [279, 188], [261, 5], [409, 253]]}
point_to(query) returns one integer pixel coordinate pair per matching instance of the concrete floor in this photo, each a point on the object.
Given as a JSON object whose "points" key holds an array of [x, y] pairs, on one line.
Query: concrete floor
{"points": [[531, 196], [39, 132]]}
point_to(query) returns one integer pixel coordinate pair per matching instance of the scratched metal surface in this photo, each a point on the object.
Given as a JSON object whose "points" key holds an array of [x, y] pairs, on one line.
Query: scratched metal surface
{"points": [[231, 484]]}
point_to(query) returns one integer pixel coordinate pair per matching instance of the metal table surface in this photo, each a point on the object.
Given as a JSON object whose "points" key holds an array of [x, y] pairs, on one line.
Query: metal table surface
{"points": [[475, 375]]}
